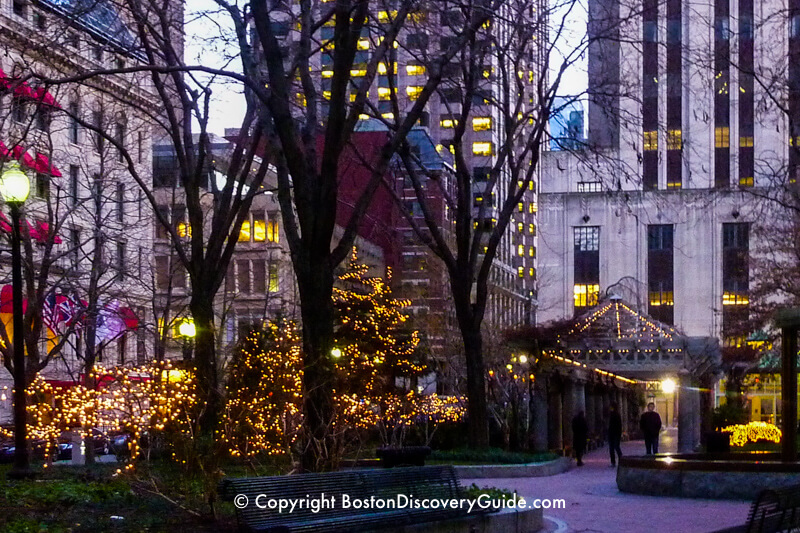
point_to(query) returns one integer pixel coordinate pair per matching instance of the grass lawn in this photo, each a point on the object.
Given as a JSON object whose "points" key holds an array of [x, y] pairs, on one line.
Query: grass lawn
{"points": [[80, 499]]}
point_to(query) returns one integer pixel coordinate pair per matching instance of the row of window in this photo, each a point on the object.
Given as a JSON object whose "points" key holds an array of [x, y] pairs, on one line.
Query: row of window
{"points": [[245, 276], [660, 269]]}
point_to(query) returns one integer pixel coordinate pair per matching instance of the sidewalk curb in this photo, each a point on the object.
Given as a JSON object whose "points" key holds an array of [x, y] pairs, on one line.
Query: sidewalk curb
{"points": [[550, 468]]}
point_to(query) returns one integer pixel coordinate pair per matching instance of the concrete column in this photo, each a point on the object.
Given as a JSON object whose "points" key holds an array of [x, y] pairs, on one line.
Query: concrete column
{"points": [[554, 431], [568, 411], [540, 415], [591, 417], [580, 397], [687, 412], [600, 413], [624, 412]]}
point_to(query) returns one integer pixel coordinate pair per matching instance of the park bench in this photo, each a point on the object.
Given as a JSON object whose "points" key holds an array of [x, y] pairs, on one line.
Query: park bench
{"points": [[773, 511], [439, 482]]}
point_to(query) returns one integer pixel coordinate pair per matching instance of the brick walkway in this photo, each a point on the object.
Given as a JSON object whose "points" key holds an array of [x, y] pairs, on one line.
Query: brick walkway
{"points": [[595, 505]]}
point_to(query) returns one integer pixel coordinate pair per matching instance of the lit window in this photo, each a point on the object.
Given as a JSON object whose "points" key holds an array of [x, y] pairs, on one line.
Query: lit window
{"points": [[521, 207], [520, 250], [746, 181], [363, 44], [532, 207], [413, 91], [301, 99], [585, 295], [384, 93], [674, 184], [650, 140], [273, 277], [735, 298], [532, 228], [481, 123], [327, 73], [388, 116], [184, 230], [674, 140], [746, 142], [415, 70], [358, 72], [520, 227], [532, 272], [521, 272], [272, 230], [259, 228], [658, 298], [531, 251], [482, 148], [722, 137], [383, 70], [244, 233], [326, 95], [418, 16], [448, 123], [386, 16]]}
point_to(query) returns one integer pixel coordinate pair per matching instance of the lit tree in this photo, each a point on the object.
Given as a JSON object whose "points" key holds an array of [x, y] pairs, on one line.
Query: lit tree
{"points": [[374, 347], [262, 413]]}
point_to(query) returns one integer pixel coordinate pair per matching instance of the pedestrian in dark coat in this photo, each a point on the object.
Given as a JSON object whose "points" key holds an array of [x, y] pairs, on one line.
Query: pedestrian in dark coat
{"points": [[650, 423], [580, 432], [614, 433]]}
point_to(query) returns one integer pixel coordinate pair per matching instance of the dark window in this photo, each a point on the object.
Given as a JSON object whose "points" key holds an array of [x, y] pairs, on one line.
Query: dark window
{"points": [[451, 95], [119, 137], [121, 260], [735, 278], [97, 122], [74, 111], [243, 268], [120, 203], [42, 185], [259, 277], [660, 272], [19, 7], [481, 173], [43, 118], [19, 110], [586, 289], [74, 177], [75, 243], [417, 41]]}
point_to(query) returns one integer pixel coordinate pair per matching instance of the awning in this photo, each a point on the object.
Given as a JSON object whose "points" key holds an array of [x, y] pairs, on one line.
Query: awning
{"points": [[43, 165], [7, 300], [40, 164], [129, 317], [41, 95], [40, 231]]}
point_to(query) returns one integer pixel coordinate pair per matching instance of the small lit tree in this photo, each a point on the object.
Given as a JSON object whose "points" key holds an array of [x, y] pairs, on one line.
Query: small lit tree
{"points": [[262, 413], [374, 345]]}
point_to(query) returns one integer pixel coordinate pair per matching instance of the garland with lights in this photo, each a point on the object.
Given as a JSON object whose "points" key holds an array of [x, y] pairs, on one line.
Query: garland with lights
{"points": [[741, 434]]}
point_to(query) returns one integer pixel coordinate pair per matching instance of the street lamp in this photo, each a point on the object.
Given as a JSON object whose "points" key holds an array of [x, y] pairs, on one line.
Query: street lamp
{"points": [[188, 331], [15, 187]]}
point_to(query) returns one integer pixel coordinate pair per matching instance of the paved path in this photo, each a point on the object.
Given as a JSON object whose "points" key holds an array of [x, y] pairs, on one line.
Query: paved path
{"points": [[595, 505]]}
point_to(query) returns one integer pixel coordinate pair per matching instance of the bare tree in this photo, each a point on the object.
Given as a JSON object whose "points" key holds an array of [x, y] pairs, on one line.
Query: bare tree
{"points": [[505, 72]]}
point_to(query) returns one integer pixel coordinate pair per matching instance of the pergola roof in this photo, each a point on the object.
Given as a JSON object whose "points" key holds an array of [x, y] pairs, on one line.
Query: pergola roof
{"points": [[616, 338]]}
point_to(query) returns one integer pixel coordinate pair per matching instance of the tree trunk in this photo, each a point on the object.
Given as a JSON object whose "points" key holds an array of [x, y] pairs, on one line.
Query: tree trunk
{"points": [[477, 411], [319, 450], [202, 309]]}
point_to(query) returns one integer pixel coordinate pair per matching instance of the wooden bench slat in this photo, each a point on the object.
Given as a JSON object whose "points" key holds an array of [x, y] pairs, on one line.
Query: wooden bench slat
{"points": [[438, 482]]}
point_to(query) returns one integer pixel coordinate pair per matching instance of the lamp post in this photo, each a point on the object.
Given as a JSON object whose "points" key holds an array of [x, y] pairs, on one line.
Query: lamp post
{"points": [[188, 331], [14, 187]]}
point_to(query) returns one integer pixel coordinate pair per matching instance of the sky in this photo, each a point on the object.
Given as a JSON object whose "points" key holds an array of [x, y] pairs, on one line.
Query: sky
{"points": [[205, 45]]}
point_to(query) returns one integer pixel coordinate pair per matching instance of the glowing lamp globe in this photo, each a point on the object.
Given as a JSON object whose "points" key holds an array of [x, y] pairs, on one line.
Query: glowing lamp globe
{"points": [[668, 386], [187, 328], [523, 359], [14, 184], [336, 353]]}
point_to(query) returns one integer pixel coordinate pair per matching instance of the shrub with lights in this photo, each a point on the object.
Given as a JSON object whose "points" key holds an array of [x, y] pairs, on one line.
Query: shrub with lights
{"points": [[148, 400], [741, 434]]}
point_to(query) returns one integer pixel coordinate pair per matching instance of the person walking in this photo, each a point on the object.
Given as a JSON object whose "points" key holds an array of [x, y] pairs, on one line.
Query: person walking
{"points": [[650, 423], [614, 433], [580, 432]]}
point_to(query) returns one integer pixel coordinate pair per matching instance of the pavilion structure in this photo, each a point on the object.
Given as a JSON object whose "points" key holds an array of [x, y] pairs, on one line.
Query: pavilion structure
{"points": [[611, 352]]}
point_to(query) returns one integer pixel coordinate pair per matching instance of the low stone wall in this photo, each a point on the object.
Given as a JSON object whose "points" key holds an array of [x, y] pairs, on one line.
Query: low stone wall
{"points": [[550, 468], [727, 480], [507, 521]]}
